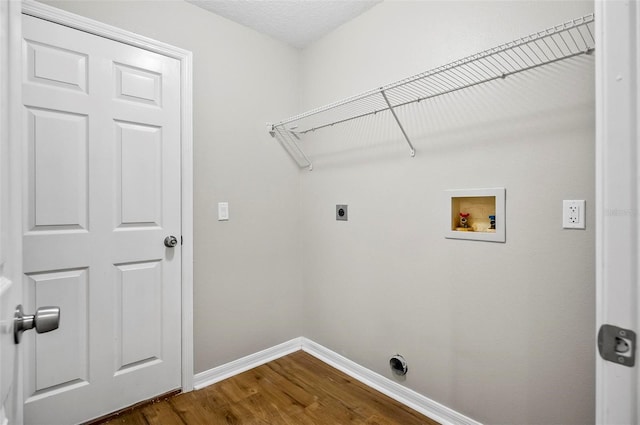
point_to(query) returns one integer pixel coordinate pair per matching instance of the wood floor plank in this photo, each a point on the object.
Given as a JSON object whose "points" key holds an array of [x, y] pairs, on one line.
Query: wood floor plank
{"points": [[276, 394], [331, 411], [351, 391], [161, 412], [297, 389], [298, 394], [133, 417], [194, 410]]}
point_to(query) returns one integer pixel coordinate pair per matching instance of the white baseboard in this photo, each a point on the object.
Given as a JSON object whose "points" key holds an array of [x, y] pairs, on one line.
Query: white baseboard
{"points": [[400, 393], [211, 376]]}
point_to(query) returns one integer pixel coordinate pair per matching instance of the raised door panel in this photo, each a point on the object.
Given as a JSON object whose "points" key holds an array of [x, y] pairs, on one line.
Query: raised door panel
{"points": [[58, 170], [55, 66], [140, 174], [58, 361], [138, 85], [138, 315]]}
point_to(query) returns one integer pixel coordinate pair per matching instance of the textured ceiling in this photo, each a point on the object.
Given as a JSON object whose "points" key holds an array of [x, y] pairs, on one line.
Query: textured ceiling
{"points": [[295, 22]]}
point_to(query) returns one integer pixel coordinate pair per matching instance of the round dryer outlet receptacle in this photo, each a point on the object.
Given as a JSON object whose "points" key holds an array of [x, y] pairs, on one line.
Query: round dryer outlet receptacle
{"points": [[342, 212], [398, 365]]}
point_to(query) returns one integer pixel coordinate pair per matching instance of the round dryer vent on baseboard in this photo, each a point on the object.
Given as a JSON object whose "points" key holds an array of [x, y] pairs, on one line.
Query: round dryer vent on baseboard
{"points": [[398, 365]]}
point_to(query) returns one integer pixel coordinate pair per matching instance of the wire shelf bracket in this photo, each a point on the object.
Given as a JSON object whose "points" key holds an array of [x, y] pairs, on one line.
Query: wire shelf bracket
{"points": [[561, 42]]}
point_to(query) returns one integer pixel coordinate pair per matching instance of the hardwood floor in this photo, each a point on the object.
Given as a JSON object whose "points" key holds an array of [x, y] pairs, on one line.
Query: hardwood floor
{"points": [[297, 389]]}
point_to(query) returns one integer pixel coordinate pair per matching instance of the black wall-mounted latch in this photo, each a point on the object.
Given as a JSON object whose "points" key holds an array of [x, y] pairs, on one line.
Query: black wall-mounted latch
{"points": [[617, 345]]}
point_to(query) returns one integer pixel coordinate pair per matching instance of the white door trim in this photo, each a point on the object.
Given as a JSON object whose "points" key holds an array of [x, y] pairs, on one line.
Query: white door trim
{"points": [[11, 133], [185, 58], [11, 148], [617, 200]]}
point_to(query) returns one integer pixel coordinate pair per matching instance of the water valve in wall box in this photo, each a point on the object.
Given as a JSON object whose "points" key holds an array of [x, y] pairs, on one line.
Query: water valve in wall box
{"points": [[476, 214]]}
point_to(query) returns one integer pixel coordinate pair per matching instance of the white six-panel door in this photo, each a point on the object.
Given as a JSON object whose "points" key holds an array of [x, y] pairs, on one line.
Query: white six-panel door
{"points": [[102, 191]]}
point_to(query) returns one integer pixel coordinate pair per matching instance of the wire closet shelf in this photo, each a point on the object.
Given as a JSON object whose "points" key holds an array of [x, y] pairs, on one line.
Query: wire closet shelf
{"points": [[564, 41]]}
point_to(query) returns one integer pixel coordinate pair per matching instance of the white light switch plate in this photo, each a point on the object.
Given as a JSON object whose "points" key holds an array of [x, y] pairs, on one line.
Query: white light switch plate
{"points": [[573, 212], [223, 211]]}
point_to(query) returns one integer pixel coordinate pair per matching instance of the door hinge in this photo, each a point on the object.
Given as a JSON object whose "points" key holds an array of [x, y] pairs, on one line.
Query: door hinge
{"points": [[617, 345], [181, 241]]}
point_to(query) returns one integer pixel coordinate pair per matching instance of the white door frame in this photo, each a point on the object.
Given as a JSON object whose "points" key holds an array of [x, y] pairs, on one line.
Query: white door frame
{"points": [[617, 200], [11, 147], [185, 58]]}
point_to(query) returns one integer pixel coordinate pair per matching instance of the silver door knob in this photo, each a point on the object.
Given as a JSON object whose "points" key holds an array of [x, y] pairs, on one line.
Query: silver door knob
{"points": [[46, 319], [170, 241]]}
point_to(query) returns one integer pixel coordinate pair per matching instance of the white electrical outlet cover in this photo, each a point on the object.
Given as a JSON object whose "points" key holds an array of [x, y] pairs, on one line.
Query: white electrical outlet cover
{"points": [[573, 214]]}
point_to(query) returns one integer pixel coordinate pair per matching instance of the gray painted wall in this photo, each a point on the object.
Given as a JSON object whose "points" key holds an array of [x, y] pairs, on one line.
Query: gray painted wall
{"points": [[503, 333], [247, 270], [500, 332]]}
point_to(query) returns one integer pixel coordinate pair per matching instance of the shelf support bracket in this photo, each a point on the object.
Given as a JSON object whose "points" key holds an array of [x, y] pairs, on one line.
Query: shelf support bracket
{"points": [[286, 138], [404, 133]]}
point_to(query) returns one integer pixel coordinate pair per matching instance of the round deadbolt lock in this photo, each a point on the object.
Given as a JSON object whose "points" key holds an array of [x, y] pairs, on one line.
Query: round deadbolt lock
{"points": [[170, 241]]}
